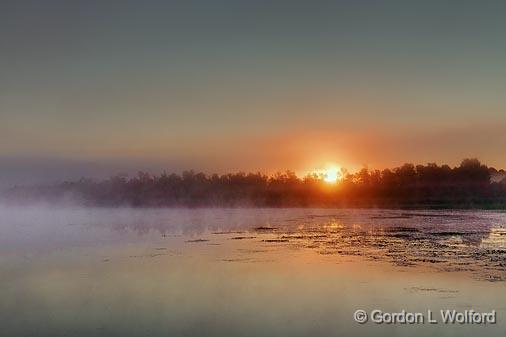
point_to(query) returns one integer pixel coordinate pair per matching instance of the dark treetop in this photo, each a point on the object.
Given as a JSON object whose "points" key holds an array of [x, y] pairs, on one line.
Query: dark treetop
{"points": [[470, 185]]}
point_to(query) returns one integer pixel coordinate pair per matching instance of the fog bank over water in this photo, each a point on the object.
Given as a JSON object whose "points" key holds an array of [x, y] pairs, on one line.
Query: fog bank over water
{"points": [[37, 170], [441, 239]]}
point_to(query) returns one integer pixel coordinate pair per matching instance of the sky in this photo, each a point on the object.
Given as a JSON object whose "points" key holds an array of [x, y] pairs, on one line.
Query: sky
{"points": [[93, 88]]}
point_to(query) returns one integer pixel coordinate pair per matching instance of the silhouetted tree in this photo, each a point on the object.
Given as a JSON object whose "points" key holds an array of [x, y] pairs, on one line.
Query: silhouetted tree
{"points": [[432, 186]]}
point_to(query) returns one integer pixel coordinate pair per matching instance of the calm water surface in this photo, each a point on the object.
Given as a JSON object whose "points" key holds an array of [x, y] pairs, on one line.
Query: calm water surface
{"points": [[245, 272]]}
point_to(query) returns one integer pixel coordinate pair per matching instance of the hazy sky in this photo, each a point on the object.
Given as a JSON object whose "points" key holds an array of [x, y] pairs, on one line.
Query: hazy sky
{"points": [[103, 86]]}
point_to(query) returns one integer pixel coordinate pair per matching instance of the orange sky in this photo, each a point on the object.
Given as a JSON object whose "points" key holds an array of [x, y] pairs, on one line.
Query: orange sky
{"points": [[205, 86]]}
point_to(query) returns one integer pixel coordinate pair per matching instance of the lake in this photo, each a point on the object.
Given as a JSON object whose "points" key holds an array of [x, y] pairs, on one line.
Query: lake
{"points": [[246, 272]]}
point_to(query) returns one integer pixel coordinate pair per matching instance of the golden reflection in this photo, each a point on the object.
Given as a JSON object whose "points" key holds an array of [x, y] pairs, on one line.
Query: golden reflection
{"points": [[333, 226]]}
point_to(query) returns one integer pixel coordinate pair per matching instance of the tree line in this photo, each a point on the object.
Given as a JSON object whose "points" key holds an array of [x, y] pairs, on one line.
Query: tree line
{"points": [[469, 185]]}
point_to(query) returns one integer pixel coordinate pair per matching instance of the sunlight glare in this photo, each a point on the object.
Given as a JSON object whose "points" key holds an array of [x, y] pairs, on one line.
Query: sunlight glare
{"points": [[332, 175]]}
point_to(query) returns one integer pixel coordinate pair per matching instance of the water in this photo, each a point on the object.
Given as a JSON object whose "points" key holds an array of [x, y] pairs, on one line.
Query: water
{"points": [[246, 272]]}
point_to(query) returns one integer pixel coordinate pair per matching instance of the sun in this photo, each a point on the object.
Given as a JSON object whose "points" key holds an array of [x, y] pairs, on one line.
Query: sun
{"points": [[332, 175]]}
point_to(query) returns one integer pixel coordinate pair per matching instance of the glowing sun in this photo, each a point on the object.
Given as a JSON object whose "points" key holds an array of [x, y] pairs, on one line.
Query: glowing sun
{"points": [[332, 175]]}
